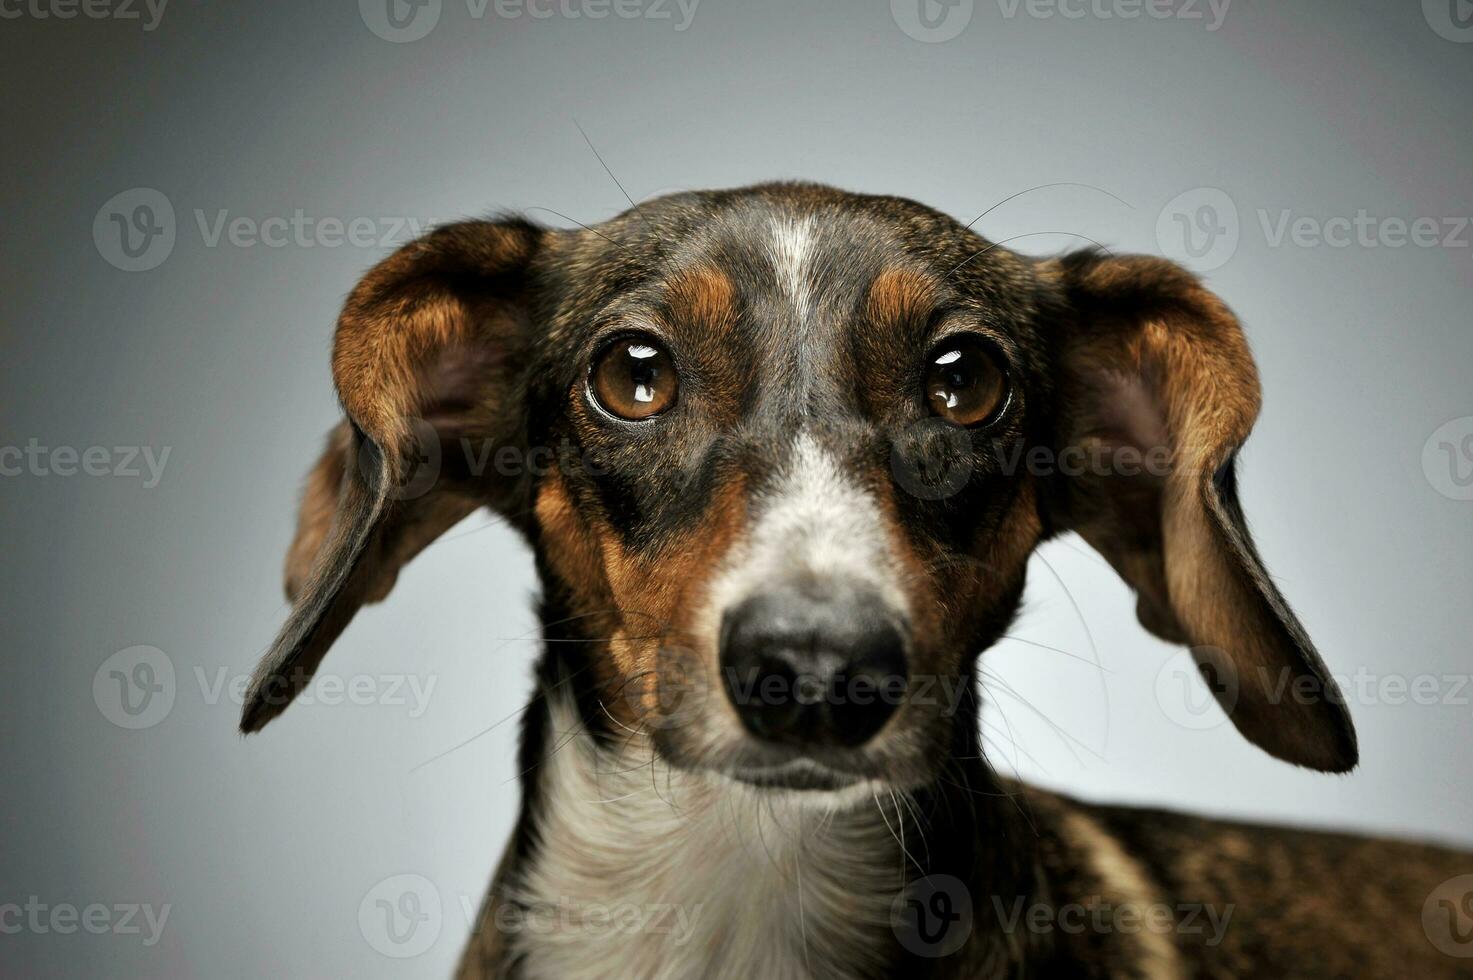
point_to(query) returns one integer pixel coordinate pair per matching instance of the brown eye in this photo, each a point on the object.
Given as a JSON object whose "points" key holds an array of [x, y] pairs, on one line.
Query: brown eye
{"points": [[634, 378], [964, 383]]}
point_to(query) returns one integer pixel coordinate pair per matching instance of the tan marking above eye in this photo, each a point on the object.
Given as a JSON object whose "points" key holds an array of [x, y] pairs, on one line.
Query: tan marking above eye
{"points": [[964, 382], [703, 296], [634, 378], [900, 294]]}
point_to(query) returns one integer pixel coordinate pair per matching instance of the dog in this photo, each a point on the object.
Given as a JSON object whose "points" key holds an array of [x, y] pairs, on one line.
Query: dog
{"points": [[797, 446]]}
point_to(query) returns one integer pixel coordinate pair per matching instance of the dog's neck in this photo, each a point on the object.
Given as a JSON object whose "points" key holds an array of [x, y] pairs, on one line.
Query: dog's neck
{"points": [[631, 868], [647, 872]]}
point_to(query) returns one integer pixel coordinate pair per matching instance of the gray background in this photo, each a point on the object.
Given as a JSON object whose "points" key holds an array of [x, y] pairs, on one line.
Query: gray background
{"points": [[265, 849]]}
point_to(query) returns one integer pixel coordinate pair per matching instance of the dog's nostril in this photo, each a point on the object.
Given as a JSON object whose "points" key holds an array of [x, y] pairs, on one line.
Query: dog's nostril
{"points": [[806, 670], [810, 689], [765, 691]]}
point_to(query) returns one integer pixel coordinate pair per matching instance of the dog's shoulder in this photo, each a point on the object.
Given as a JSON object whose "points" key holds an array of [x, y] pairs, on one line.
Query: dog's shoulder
{"points": [[1197, 894]]}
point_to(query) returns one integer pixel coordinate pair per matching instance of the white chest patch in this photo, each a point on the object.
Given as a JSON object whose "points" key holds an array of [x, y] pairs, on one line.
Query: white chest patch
{"points": [[641, 872]]}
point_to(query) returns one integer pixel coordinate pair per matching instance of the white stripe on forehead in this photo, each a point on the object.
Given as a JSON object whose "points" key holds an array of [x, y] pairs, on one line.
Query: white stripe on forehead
{"points": [[815, 523], [790, 250]]}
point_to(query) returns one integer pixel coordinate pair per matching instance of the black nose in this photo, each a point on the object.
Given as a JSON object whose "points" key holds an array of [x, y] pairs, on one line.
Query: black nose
{"points": [[808, 669]]}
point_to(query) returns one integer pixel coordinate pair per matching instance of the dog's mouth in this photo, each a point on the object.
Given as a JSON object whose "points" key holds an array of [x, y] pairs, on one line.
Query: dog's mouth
{"points": [[797, 774]]}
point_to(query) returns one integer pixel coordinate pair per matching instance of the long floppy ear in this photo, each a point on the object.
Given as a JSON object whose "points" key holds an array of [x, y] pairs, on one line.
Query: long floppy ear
{"points": [[430, 350], [1156, 393]]}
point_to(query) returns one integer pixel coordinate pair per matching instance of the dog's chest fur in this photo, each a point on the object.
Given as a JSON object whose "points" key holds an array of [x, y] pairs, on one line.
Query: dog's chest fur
{"points": [[642, 872]]}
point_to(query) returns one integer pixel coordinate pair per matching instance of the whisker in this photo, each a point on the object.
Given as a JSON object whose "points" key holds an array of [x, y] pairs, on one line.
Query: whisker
{"points": [[1007, 688], [802, 922], [547, 755], [900, 822], [910, 805], [1088, 635], [616, 721], [580, 224], [1039, 187], [490, 728], [601, 163], [1044, 646], [665, 634], [616, 799], [1014, 238], [899, 838], [1093, 556]]}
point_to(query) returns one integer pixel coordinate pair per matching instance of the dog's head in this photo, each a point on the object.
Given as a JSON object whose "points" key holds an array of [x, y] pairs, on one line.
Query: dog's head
{"points": [[782, 454]]}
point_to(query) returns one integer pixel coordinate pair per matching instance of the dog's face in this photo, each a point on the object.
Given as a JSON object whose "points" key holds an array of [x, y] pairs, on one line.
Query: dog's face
{"points": [[782, 454], [794, 425]]}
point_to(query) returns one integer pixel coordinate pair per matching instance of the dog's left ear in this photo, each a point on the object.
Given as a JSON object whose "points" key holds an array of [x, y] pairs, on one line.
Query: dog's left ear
{"points": [[1156, 393], [431, 349]]}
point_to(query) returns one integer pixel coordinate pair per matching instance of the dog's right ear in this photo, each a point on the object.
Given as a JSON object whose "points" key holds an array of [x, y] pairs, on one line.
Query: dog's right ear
{"points": [[431, 349], [1154, 367]]}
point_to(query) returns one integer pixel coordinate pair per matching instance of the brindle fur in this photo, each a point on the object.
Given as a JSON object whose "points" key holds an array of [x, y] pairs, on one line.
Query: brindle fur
{"points": [[483, 331]]}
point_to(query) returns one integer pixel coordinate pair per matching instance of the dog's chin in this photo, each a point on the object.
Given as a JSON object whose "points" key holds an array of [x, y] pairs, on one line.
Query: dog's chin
{"points": [[835, 781], [801, 775], [806, 783]]}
